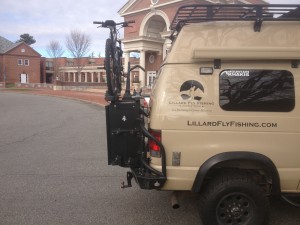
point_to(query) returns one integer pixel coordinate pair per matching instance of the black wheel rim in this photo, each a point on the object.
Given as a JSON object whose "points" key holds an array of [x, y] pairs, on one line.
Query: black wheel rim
{"points": [[110, 74], [235, 209], [117, 70]]}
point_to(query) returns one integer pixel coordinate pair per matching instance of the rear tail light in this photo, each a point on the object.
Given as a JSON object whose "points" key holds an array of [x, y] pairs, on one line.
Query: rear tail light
{"points": [[145, 103], [153, 146]]}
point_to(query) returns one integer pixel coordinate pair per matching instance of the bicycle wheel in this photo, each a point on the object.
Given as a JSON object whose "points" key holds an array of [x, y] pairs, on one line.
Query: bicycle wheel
{"points": [[118, 69], [113, 66], [109, 67]]}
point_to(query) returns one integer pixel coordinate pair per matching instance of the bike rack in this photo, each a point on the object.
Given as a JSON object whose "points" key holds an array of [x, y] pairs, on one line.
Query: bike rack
{"points": [[127, 94], [126, 134]]}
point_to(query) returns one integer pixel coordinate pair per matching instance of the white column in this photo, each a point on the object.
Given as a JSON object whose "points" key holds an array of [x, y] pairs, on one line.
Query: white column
{"points": [[92, 74], [143, 64], [166, 47], [127, 58], [99, 77], [85, 77], [74, 76]]}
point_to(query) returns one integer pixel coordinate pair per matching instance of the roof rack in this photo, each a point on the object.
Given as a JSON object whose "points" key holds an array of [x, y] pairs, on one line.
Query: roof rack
{"points": [[219, 12]]}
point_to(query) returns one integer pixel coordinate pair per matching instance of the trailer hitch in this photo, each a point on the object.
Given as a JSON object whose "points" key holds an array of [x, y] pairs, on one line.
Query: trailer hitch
{"points": [[129, 179]]}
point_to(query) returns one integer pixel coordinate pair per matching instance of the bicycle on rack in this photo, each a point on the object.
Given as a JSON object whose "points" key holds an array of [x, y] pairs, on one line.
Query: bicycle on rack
{"points": [[113, 58]]}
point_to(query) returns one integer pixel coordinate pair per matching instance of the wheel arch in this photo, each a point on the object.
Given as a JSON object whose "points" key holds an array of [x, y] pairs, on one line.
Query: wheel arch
{"points": [[229, 158]]}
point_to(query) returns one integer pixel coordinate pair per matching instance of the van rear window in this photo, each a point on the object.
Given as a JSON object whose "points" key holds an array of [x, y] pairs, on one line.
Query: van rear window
{"points": [[257, 90]]}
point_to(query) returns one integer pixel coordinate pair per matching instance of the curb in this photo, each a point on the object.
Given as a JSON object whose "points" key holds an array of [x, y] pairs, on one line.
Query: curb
{"points": [[58, 96]]}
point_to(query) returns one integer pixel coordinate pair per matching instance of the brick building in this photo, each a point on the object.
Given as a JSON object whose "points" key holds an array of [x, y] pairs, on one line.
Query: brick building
{"points": [[19, 63], [148, 35], [66, 69]]}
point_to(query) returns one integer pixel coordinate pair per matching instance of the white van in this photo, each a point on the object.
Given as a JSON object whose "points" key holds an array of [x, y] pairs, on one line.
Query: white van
{"points": [[224, 115]]}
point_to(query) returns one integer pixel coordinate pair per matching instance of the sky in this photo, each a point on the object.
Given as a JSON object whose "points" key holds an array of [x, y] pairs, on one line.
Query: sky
{"points": [[49, 20]]}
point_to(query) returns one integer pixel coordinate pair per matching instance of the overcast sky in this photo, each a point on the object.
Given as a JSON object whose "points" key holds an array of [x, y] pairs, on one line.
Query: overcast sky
{"points": [[48, 20]]}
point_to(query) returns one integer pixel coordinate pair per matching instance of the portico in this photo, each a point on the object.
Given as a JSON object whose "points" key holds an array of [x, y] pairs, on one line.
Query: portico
{"points": [[149, 42], [90, 74]]}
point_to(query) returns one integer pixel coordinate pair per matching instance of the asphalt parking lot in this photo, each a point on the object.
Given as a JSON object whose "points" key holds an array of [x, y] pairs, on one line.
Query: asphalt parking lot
{"points": [[53, 170]]}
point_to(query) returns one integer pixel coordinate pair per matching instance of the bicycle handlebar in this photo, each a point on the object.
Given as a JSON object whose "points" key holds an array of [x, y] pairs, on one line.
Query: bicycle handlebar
{"points": [[97, 22]]}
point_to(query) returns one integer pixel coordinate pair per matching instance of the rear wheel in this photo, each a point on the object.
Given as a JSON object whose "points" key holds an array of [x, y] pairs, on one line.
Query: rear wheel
{"points": [[109, 67], [118, 68], [233, 199], [113, 67]]}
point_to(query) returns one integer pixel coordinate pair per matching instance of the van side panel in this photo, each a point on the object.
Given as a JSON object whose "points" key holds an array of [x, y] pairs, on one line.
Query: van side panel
{"points": [[231, 39], [197, 119], [194, 124]]}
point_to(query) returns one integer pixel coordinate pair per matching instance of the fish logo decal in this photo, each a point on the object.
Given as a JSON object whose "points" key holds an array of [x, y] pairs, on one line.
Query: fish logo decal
{"points": [[192, 90]]}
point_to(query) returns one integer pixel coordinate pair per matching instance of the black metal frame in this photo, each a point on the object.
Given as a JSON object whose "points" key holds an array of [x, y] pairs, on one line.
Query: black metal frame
{"points": [[220, 12], [126, 140]]}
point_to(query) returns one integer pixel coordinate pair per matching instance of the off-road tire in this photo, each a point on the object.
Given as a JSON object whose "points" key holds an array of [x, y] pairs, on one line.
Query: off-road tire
{"points": [[113, 67], [108, 64], [233, 199]]}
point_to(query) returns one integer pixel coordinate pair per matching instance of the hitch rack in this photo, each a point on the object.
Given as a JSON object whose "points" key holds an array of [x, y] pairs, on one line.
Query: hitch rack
{"points": [[126, 135]]}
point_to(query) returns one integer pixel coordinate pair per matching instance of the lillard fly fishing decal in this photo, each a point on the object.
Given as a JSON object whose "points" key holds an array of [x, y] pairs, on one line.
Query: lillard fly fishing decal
{"points": [[191, 98], [231, 124]]}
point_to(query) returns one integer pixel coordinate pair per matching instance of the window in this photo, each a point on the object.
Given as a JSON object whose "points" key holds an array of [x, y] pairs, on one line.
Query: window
{"points": [[70, 63], [257, 90], [26, 62], [49, 65], [135, 78], [20, 62]]}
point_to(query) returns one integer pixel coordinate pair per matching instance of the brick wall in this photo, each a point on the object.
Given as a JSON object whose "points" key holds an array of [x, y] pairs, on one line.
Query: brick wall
{"points": [[34, 85], [154, 65], [170, 10], [1, 69]]}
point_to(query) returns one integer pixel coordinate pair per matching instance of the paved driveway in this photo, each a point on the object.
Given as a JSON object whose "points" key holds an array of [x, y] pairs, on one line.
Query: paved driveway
{"points": [[53, 170]]}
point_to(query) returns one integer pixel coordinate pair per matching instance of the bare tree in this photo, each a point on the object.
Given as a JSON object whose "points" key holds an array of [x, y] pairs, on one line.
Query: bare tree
{"points": [[55, 50], [78, 45]]}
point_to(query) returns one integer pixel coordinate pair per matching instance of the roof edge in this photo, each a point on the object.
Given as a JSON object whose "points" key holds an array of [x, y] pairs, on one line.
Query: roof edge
{"points": [[20, 43]]}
